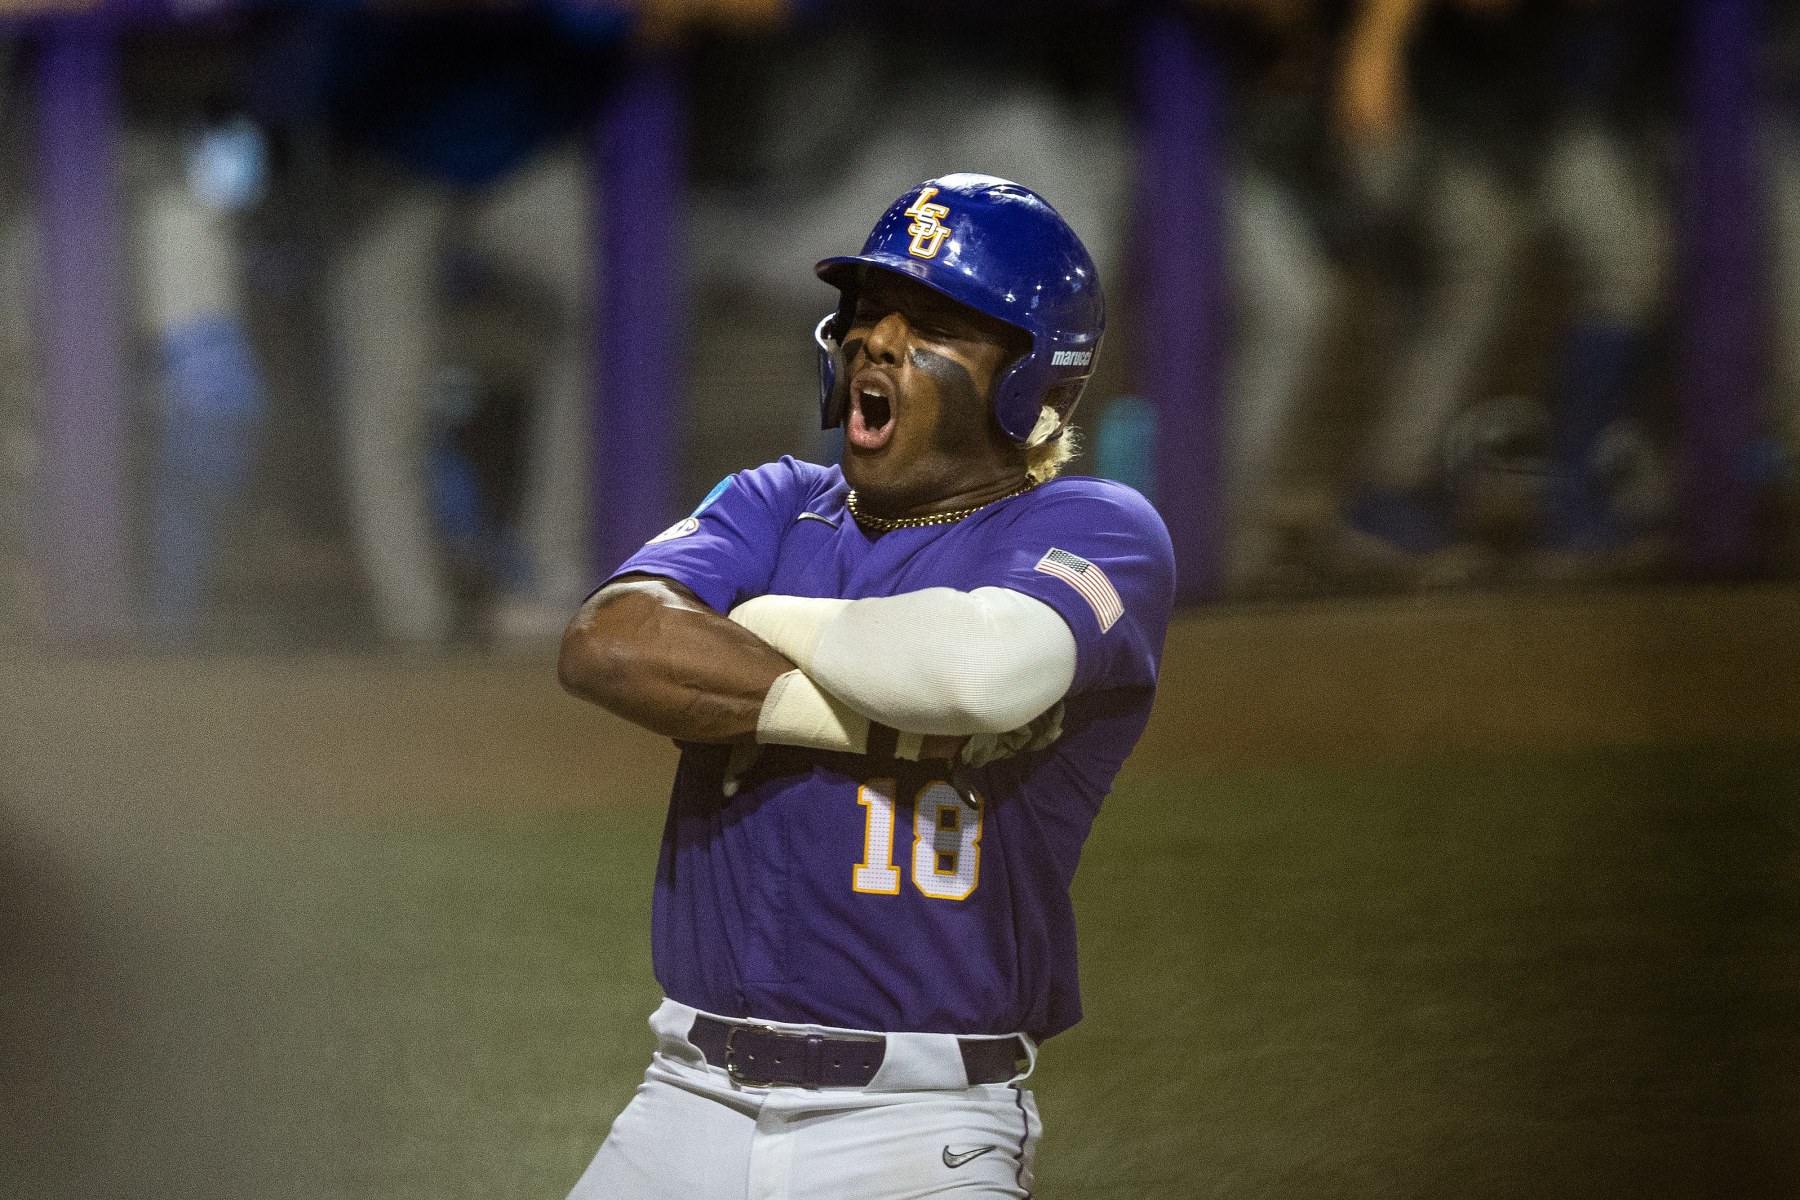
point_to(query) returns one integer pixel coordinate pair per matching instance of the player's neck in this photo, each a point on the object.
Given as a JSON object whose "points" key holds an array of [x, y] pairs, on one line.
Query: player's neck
{"points": [[986, 493], [993, 486]]}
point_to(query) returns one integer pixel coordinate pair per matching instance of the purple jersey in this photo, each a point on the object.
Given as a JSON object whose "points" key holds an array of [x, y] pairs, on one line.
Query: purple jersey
{"points": [[875, 893]]}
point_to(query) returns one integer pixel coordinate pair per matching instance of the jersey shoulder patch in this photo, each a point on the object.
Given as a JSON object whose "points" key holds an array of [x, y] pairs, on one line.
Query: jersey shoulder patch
{"points": [[719, 489], [1089, 581], [679, 529]]}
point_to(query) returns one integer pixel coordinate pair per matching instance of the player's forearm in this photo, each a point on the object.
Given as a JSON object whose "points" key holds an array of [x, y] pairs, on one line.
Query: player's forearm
{"points": [[1371, 101], [1385, 26], [652, 653], [934, 661]]}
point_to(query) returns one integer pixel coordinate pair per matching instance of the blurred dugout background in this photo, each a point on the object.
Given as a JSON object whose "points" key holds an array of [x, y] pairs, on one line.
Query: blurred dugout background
{"points": [[1457, 340], [324, 326]]}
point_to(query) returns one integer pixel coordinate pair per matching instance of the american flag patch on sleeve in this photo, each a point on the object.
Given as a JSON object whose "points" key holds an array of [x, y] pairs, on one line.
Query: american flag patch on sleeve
{"points": [[1087, 579]]}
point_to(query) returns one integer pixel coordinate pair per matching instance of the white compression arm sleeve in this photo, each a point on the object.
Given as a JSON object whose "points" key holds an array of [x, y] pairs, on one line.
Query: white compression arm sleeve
{"points": [[797, 713], [934, 661]]}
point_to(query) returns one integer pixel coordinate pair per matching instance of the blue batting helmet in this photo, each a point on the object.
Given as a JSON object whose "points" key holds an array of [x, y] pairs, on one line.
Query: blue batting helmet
{"points": [[1000, 249]]}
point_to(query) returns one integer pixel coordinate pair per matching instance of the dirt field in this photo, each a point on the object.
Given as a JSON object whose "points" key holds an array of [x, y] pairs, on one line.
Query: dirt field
{"points": [[1492, 897]]}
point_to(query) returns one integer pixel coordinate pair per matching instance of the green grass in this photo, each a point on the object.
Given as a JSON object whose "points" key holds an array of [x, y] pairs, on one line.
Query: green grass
{"points": [[1571, 975], [1557, 975]]}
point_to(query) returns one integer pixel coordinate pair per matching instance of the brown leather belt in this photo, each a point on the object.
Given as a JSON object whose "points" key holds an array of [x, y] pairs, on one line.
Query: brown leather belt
{"points": [[758, 1056]]}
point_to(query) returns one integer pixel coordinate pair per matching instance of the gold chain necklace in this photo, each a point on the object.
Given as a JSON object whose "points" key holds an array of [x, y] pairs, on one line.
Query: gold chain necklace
{"points": [[889, 524]]}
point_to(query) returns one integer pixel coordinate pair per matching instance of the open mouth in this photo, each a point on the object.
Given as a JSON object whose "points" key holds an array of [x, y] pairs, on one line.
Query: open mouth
{"points": [[871, 412]]}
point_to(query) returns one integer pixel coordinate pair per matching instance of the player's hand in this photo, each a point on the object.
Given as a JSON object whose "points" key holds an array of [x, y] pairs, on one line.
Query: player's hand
{"points": [[977, 750], [984, 748], [743, 756], [942, 745]]}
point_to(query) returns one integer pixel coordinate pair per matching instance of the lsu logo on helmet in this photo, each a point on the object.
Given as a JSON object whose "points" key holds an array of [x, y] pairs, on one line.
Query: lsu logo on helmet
{"points": [[927, 234]]}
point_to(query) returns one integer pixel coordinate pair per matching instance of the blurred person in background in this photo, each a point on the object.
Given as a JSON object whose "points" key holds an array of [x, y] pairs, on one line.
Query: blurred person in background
{"points": [[1602, 195], [193, 166], [1282, 279], [465, 158], [467, 131], [1442, 111]]}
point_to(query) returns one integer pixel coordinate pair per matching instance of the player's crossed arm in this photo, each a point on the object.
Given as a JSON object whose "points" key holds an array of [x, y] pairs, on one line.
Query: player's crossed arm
{"points": [[648, 649], [982, 672], [991, 664]]}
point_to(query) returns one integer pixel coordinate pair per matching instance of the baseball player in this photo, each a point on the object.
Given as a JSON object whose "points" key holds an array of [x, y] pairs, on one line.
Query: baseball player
{"points": [[902, 687]]}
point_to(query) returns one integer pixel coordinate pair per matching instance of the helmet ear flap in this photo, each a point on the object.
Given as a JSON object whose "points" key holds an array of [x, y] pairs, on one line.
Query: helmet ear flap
{"points": [[1014, 408], [1026, 390], [834, 378]]}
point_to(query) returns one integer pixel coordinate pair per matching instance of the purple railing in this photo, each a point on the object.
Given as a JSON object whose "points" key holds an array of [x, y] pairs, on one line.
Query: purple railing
{"points": [[83, 501], [1722, 250], [642, 172], [1180, 196]]}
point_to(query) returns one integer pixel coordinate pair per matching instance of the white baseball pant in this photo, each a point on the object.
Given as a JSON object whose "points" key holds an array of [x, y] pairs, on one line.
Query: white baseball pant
{"points": [[917, 1130]]}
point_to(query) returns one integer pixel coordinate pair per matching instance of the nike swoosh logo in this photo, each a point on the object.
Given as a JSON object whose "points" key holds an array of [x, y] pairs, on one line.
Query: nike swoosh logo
{"points": [[954, 1161]]}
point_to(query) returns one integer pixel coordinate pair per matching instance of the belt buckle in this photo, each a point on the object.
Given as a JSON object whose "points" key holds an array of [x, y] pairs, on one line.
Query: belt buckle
{"points": [[738, 1075]]}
